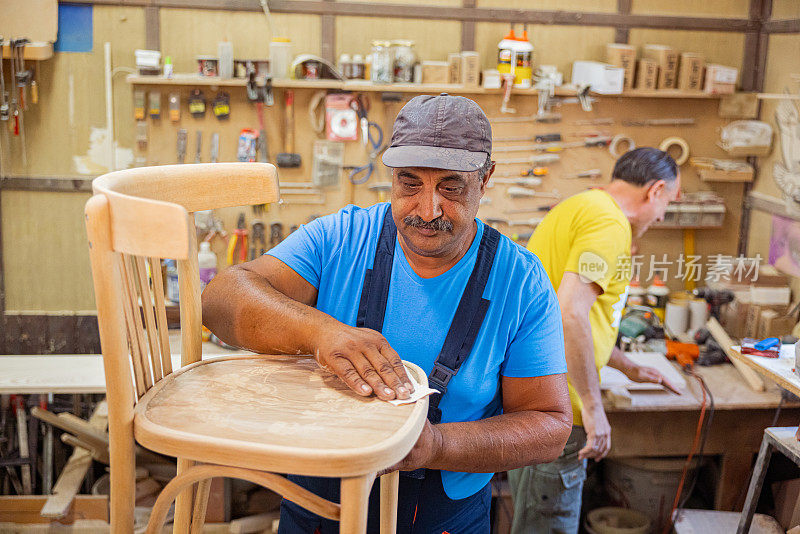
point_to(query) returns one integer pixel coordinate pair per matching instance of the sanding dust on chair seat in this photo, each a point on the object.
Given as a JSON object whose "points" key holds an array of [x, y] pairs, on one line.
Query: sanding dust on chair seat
{"points": [[267, 405]]}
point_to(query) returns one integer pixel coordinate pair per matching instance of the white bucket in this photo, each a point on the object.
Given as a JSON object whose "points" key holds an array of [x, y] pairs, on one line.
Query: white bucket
{"points": [[647, 484]]}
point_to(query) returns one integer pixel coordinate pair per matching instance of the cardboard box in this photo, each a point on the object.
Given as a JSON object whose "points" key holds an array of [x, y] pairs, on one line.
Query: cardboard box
{"points": [[454, 66], [470, 69], [774, 324], [720, 79], [690, 74], [623, 56], [647, 74], [435, 72], [667, 59], [604, 79], [787, 502]]}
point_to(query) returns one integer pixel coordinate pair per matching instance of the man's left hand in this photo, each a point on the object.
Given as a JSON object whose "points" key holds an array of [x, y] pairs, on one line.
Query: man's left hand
{"points": [[427, 448], [641, 373]]}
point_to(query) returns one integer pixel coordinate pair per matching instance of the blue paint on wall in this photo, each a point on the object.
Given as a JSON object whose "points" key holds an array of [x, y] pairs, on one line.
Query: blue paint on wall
{"points": [[74, 28]]}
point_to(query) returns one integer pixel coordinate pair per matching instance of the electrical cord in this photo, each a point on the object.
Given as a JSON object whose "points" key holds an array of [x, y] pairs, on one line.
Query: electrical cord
{"points": [[698, 445]]}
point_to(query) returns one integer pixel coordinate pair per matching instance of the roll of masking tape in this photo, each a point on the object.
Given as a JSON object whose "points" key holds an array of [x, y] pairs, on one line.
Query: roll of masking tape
{"points": [[613, 147], [670, 142]]}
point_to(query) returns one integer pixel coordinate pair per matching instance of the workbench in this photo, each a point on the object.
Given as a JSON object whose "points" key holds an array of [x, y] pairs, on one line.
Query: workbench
{"points": [[662, 424], [73, 373]]}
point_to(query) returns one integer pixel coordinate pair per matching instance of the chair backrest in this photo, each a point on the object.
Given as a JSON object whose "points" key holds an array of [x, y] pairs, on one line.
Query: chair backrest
{"points": [[136, 218]]}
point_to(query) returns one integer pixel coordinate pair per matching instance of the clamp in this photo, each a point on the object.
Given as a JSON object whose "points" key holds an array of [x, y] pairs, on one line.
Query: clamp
{"points": [[238, 239]]}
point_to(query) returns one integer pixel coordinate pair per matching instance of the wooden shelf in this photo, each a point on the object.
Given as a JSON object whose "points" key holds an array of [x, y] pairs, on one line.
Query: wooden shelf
{"points": [[769, 204], [358, 85], [37, 51]]}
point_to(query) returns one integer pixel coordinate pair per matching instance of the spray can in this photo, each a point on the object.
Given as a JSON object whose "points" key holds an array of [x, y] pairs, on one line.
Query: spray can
{"points": [[207, 262], [657, 295], [515, 56]]}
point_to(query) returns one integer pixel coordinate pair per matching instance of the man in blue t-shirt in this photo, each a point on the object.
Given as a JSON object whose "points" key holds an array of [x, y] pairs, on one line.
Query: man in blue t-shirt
{"points": [[420, 278]]}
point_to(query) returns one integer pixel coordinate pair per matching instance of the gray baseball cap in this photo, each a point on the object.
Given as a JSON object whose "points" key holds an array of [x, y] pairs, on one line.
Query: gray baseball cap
{"points": [[440, 132]]}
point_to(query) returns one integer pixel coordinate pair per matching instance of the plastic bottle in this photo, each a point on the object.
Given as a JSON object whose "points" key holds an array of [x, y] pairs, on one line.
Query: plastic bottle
{"points": [[657, 296], [207, 261], [168, 67], [280, 58], [636, 293], [225, 53], [172, 280], [515, 56]]}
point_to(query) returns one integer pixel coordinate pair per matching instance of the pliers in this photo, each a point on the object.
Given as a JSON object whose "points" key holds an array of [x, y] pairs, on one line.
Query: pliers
{"points": [[238, 239]]}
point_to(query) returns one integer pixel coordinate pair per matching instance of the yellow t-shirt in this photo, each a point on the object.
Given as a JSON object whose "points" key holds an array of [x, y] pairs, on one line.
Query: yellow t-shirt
{"points": [[588, 234]]}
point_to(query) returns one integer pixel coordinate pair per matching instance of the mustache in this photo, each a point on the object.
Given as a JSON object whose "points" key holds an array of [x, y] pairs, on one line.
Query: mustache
{"points": [[439, 224]]}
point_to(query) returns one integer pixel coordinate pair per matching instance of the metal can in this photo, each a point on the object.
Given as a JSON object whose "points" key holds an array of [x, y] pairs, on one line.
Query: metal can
{"points": [[404, 60], [208, 66], [382, 62]]}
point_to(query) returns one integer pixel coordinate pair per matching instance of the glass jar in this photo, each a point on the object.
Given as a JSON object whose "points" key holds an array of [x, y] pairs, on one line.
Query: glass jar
{"points": [[404, 60], [359, 67], [382, 70]]}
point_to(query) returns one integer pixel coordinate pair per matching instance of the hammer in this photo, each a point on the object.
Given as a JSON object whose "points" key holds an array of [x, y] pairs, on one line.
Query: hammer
{"points": [[288, 158]]}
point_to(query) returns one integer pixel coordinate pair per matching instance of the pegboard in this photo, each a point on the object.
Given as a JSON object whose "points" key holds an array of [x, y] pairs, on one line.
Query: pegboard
{"points": [[701, 137]]}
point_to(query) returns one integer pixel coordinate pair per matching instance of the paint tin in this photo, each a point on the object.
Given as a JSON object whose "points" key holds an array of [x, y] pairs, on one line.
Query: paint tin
{"points": [[207, 66]]}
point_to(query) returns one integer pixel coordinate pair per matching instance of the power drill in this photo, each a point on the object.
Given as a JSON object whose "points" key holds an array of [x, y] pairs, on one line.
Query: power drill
{"points": [[716, 298]]}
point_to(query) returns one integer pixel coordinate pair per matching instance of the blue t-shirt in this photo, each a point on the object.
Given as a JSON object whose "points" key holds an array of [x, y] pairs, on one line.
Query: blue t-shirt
{"points": [[521, 335]]}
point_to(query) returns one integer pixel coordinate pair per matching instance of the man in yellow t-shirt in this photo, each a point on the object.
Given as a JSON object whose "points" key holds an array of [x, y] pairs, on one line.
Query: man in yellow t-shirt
{"points": [[584, 244]]}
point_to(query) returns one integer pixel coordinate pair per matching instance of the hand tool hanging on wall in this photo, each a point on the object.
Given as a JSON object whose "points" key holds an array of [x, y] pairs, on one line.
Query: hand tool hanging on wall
{"points": [[182, 141], [22, 76], [523, 181], [660, 122], [534, 171], [591, 173], [197, 154], [258, 240], [372, 145], [275, 234], [556, 147], [546, 118], [538, 138], [214, 147], [288, 158], [520, 192], [535, 160], [197, 104], [238, 240], [14, 107], [4, 109]]}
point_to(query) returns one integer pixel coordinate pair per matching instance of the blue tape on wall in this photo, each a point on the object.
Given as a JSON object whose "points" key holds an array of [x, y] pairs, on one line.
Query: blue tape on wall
{"points": [[74, 28]]}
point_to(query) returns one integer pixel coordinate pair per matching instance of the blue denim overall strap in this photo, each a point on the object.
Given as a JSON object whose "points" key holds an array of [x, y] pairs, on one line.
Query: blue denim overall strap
{"points": [[468, 317]]}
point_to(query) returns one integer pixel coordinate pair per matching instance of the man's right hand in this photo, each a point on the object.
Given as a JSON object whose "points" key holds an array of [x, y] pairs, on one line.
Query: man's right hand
{"points": [[598, 433], [364, 360]]}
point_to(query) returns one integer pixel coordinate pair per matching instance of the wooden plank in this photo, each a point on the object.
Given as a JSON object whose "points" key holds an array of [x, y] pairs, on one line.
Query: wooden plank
{"points": [[783, 26], [45, 183], [25, 509], [69, 481], [475, 14], [769, 204], [724, 340], [152, 27], [468, 29], [623, 34]]}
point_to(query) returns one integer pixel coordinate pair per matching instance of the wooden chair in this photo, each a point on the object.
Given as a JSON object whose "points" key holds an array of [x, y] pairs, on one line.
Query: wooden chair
{"points": [[245, 417]]}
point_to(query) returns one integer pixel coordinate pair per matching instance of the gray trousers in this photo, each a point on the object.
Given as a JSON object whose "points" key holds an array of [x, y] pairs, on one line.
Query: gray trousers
{"points": [[547, 497]]}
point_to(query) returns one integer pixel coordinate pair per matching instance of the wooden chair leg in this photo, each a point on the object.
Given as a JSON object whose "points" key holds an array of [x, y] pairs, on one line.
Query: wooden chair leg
{"points": [[200, 505], [183, 502], [390, 483], [123, 483], [355, 504]]}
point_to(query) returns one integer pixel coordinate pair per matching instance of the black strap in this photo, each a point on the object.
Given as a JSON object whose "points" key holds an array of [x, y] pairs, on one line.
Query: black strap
{"points": [[466, 322], [372, 309]]}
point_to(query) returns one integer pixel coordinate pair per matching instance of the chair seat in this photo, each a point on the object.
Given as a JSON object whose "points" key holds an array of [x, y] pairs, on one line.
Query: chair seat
{"points": [[275, 413]]}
